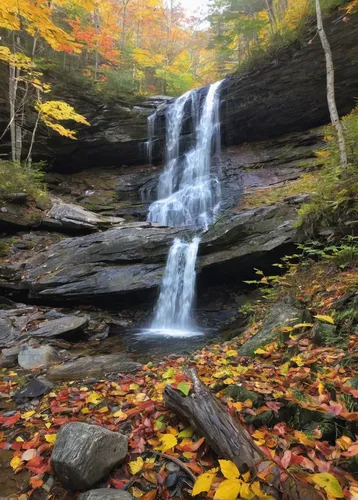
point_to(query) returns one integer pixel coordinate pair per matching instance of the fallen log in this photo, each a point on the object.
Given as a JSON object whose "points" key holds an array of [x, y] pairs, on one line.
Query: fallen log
{"points": [[230, 440]]}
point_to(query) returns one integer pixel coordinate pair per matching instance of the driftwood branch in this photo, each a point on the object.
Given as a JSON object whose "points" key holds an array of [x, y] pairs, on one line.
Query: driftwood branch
{"points": [[229, 439]]}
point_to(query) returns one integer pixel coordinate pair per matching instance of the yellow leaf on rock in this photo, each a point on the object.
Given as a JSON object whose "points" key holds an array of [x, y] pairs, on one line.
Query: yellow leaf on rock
{"points": [[329, 483], [260, 351], [28, 414], [19, 439], [168, 442], [325, 319], [203, 483], [104, 409], [50, 438], [229, 469], [228, 490], [136, 465], [16, 462]]}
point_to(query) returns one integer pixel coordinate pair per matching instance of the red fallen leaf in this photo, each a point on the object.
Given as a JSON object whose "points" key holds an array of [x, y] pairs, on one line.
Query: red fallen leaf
{"points": [[117, 483], [16, 446], [31, 444], [274, 406], [35, 462], [280, 429], [36, 482], [190, 446], [197, 469], [303, 461], [286, 459], [10, 421], [60, 420]]}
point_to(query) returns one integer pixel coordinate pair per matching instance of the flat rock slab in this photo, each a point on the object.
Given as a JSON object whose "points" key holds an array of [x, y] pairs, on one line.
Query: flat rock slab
{"points": [[61, 326], [84, 454], [105, 494], [12, 323], [31, 358], [70, 216], [93, 367]]}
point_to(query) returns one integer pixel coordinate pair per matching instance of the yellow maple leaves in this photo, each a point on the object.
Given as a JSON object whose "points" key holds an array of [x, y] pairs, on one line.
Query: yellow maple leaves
{"points": [[168, 441], [53, 111], [233, 486]]}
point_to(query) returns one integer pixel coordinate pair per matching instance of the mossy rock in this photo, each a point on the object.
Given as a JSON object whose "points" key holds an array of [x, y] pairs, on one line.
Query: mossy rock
{"points": [[324, 333], [286, 312], [240, 393]]}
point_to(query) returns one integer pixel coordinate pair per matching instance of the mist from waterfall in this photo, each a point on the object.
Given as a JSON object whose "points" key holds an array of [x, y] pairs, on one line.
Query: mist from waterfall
{"points": [[188, 196]]}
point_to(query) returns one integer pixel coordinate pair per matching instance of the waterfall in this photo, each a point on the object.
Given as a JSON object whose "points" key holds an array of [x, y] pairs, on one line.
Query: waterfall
{"points": [[174, 307], [188, 195], [149, 143]]}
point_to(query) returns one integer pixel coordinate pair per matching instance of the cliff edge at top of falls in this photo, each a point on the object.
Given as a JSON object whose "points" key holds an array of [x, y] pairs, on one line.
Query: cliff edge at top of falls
{"points": [[287, 93]]}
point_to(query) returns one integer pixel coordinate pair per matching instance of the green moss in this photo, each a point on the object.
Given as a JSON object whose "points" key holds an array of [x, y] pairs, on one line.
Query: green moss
{"points": [[17, 178], [4, 249], [305, 185]]}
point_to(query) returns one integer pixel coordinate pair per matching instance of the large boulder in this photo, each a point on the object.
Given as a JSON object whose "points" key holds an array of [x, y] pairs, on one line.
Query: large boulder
{"points": [[286, 312], [31, 358], [105, 494], [84, 454]]}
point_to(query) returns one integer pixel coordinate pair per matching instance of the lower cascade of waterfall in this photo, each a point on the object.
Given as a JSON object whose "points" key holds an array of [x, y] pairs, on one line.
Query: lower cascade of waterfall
{"points": [[188, 196], [173, 313]]}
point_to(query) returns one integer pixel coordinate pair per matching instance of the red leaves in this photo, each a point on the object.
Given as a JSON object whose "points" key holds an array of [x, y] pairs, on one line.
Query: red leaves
{"points": [[10, 421]]}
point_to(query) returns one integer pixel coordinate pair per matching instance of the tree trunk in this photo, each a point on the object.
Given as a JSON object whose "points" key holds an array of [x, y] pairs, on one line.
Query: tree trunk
{"points": [[336, 122], [231, 441]]}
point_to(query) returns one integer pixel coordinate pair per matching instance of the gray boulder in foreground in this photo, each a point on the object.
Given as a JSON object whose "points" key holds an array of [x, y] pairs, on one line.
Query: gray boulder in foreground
{"points": [[105, 493], [84, 454]]}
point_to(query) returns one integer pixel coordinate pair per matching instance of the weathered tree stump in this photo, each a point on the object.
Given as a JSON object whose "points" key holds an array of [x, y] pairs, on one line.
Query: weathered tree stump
{"points": [[230, 440]]}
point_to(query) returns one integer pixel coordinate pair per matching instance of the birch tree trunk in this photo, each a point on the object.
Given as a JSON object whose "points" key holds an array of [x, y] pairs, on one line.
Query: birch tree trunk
{"points": [[336, 122]]}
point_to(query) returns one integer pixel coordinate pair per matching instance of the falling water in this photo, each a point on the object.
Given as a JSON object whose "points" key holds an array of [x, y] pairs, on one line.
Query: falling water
{"points": [[149, 143], [174, 307], [188, 195]]}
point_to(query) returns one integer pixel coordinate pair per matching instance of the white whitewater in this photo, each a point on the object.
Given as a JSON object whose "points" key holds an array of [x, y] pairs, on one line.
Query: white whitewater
{"points": [[174, 307], [189, 196]]}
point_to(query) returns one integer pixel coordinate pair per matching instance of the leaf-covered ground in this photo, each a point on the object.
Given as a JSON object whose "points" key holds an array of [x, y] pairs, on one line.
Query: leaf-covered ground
{"points": [[298, 400]]}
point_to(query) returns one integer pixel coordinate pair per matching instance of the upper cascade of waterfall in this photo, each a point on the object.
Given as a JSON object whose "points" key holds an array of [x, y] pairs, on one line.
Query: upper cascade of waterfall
{"points": [[188, 194]]}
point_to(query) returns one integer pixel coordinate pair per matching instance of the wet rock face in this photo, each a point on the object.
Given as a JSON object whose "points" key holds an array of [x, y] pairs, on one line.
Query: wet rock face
{"points": [[288, 93], [84, 454], [121, 262]]}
